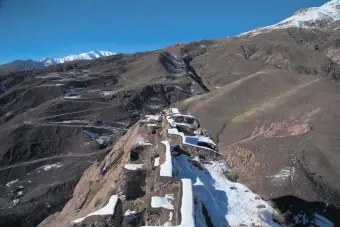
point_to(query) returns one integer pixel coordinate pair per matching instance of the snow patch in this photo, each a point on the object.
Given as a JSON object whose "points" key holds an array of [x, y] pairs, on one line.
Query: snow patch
{"points": [[50, 85], [149, 118], [129, 212], [164, 202], [72, 97], [106, 210], [51, 166], [152, 125], [170, 216], [284, 174], [156, 161], [107, 93], [8, 184], [305, 18], [16, 201], [133, 166]]}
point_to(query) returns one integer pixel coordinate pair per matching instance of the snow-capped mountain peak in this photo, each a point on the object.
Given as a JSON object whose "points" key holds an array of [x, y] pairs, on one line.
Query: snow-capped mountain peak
{"points": [[83, 56], [314, 17]]}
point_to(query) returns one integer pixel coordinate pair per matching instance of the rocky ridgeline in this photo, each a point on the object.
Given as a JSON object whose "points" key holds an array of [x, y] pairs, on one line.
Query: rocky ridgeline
{"points": [[165, 171]]}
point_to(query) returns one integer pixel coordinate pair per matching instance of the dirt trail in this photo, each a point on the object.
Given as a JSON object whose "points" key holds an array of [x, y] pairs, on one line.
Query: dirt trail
{"points": [[53, 157]]}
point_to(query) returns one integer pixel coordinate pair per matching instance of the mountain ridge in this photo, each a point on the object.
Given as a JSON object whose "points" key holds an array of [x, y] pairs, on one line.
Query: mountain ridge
{"points": [[83, 56], [20, 65], [313, 17]]}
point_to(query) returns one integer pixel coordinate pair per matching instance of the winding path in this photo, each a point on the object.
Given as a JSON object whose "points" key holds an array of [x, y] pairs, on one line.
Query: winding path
{"points": [[54, 157]]}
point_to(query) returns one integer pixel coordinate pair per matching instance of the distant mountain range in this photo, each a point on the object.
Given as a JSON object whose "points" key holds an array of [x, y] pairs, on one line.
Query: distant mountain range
{"points": [[20, 65], [314, 17]]}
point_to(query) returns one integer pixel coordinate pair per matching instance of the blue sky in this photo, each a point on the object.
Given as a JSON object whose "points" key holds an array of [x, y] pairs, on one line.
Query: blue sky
{"points": [[33, 29]]}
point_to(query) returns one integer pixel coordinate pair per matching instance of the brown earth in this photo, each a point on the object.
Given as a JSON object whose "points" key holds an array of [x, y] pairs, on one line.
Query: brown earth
{"points": [[278, 99]]}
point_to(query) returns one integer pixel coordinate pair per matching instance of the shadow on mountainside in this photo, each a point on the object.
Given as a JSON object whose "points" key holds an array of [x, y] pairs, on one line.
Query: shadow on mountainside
{"points": [[298, 212]]}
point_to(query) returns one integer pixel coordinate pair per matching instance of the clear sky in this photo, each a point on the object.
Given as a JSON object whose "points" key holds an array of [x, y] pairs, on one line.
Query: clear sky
{"points": [[34, 29]]}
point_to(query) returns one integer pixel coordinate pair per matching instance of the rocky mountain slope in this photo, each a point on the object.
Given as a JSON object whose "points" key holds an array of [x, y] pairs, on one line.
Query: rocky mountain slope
{"points": [[166, 172], [269, 100], [56, 122], [20, 65]]}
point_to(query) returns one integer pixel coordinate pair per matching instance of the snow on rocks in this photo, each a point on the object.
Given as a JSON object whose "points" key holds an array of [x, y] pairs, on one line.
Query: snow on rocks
{"points": [[283, 175], [106, 210], [51, 166], [107, 93], [133, 166], [149, 118], [72, 97], [166, 167], [15, 202], [8, 184], [162, 202], [129, 212]]}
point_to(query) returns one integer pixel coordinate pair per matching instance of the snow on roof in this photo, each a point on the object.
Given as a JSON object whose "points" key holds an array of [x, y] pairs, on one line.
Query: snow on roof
{"points": [[227, 203], [206, 140], [188, 139], [164, 202], [166, 167], [133, 166], [175, 124], [109, 209], [187, 207]]}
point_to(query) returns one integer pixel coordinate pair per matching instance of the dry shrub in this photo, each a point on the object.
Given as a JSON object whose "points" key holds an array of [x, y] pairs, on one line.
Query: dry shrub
{"points": [[241, 159]]}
